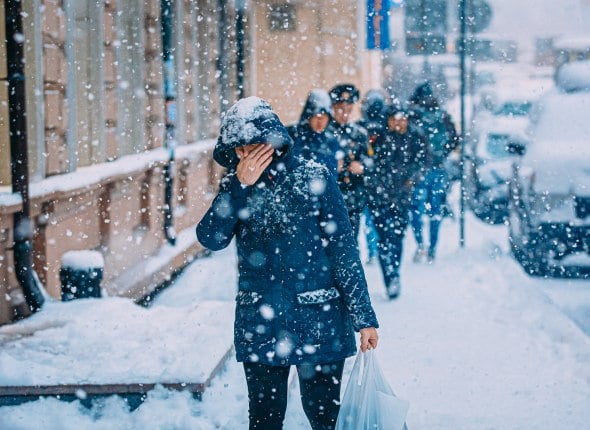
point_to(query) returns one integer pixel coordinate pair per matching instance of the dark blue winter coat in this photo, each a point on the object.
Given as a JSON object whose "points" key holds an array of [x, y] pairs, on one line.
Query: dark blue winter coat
{"points": [[400, 161], [301, 290], [321, 147], [434, 123]]}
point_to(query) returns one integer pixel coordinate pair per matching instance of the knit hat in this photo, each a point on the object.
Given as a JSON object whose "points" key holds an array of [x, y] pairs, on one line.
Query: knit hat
{"points": [[344, 93]]}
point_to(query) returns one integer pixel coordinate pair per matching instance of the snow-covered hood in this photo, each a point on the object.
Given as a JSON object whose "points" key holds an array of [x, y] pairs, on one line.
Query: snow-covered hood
{"points": [[248, 121], [317, 102]]}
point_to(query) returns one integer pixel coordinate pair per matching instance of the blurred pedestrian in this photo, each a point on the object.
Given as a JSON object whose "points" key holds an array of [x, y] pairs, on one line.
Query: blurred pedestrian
{"points": [[401, 159], [353, 141], [312, 141], [373, 112], [430, 195], [301, 291]]}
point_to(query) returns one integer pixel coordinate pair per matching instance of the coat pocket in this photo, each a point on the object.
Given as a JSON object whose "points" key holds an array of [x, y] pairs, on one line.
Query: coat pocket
{"points": [[314, 297]]}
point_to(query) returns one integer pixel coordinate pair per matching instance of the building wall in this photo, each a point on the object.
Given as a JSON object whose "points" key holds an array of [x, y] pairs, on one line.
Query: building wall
{"points": [[100, 183], [320, 52]]}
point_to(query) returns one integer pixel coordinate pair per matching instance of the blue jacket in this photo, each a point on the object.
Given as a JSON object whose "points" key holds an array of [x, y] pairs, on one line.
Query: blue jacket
{"points": [[302, 290]]}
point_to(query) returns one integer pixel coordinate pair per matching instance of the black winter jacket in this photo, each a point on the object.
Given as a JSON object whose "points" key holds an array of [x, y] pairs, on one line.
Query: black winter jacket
{"points": [[400, 161]]}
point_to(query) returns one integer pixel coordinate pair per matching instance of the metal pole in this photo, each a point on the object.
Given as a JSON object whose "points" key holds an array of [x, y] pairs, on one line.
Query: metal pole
{"points": [[23, 227], [170, 95], [463, 29]]}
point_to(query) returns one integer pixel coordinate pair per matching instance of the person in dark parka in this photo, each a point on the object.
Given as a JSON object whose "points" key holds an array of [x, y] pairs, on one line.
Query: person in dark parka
{"points": [[312, 141], [430, 195], [373, 112], [301, 291], [353, 141], [402, 157]]}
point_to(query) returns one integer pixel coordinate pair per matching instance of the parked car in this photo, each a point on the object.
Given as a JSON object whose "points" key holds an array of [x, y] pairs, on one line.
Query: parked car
{"points": [[507, 103], [489, 164], [549, 188]]}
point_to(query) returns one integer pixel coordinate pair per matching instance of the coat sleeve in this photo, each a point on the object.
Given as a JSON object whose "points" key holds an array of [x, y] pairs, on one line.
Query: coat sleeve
{"points": [[217, 228], [342, 252], [452, 133]]}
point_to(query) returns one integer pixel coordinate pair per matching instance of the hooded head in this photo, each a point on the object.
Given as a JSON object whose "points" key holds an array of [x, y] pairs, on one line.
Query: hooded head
{"points": [[397, 118], [318, 102], [396, 110], [248, 121], [373, 105], [424, 96]]}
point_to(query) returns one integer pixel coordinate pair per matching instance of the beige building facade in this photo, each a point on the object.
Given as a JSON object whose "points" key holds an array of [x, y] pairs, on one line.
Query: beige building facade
{"points": [[97, 121]]}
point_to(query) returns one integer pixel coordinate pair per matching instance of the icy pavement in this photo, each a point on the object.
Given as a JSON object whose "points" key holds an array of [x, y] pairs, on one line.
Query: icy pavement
{"points": [[472, 343]]}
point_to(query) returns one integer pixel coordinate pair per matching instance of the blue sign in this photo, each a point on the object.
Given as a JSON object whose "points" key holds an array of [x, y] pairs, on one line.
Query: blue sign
{"points": [[378, 24]]}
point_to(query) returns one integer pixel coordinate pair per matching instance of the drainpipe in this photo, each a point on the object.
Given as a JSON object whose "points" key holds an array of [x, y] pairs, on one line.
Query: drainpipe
{"points": [[23, 227], [222, 60], [170, 120], [240, 30]]}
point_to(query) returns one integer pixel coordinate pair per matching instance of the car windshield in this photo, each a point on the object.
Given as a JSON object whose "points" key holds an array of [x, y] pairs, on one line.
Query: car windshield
{"points": [[513, 109]]}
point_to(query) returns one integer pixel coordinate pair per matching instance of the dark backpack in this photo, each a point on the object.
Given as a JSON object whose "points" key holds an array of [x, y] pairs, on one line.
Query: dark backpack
{"points": [[439, 133]]}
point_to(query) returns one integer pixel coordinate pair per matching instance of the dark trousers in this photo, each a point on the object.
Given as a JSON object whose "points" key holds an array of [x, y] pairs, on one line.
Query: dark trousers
{"points": [[267, 394], [391, 224], [355, 220]]}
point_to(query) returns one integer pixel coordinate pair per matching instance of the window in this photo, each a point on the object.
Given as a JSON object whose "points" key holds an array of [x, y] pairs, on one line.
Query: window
{"points": [[282, 18], [130, 79], [85, 85]]}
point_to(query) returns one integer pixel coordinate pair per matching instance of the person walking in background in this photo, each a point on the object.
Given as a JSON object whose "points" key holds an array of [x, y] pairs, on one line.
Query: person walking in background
{"points": [[302, 291], [353, 141], [373, 112], [401, 159], [312, 142], [430, 194]]}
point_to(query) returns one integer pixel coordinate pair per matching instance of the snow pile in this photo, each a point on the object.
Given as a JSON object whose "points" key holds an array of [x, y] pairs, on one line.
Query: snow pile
{"points": [[113, 340], [80, 260]]}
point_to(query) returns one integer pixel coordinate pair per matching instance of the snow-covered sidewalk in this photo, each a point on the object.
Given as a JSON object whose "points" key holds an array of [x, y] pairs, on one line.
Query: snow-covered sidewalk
{"points": [[472, 342]]}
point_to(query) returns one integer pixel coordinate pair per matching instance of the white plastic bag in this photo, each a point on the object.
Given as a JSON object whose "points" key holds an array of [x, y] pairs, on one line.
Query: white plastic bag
{"points": [[369, 402]]}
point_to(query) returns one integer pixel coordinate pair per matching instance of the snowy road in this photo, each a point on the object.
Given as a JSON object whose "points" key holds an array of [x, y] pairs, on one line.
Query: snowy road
{"points": [[472, 343]]}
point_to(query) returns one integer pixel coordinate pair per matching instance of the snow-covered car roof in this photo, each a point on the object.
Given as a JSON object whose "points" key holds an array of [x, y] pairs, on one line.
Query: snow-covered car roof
{"points": [[516, 127], [560, 148], [574, 76]]}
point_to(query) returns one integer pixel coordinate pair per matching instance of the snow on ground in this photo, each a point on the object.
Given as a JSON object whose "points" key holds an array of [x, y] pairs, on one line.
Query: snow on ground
{"points": [[112, 340], [472, 343]]}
